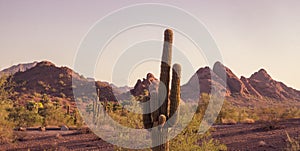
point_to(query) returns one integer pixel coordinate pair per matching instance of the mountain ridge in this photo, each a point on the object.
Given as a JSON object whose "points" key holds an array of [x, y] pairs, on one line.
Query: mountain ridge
{"points": [[57, 83], [16, 68], [46, 78], [260, 84]]}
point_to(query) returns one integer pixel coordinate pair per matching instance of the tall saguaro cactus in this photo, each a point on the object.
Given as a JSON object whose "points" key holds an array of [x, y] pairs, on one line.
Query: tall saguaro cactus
{"points": [[166, 115]]}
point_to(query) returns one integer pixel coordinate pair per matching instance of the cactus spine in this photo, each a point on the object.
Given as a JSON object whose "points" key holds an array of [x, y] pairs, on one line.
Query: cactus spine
{"points": [[170, 104]]}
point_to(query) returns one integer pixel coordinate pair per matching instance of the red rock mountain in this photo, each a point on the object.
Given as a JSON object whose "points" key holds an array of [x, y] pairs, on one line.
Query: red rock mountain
{"points": [[46, 78], [260, 85], [262, 82], [234, 84], [202, 82]]}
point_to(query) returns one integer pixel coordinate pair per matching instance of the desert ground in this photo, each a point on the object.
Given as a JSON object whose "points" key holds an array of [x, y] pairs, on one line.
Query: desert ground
{"points": [[257, 136]]}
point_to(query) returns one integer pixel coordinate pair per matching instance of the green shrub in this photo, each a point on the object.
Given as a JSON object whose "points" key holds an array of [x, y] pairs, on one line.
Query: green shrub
{"points": [[6, 132], [53, 114], [190, 139], [23, 117]]}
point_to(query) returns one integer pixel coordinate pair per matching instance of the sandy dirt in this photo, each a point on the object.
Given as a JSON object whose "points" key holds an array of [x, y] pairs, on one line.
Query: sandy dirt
{"points": [[250, 137], [258, 136]]}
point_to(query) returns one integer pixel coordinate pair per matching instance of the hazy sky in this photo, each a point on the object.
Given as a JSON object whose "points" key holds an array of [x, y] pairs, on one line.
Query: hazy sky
{"points": [[250, 34]]}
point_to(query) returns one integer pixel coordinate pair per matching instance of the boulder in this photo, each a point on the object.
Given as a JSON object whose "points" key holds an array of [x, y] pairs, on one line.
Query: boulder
{"points": [[42, 128], [64, 128]]}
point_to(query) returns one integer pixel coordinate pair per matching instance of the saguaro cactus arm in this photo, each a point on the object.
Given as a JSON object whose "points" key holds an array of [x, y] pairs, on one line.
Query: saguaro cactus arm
{"points": [[175, 95]]}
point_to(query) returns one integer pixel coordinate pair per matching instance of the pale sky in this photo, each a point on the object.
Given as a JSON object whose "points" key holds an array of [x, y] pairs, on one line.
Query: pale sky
{"points": [[249, 34]]}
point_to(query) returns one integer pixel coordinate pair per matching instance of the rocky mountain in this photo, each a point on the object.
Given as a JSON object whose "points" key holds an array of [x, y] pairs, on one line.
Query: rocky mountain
{"points": [[203, 81], [61, 82], [45, 78], [259, 85], [17, 68], [262, 82], [221, 79]]}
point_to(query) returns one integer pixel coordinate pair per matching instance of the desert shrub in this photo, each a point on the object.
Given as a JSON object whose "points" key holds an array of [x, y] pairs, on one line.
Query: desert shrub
{"points": [[122, 114], [6, 132], [271, 118], [289, 113], [186, 140], [277, 113], [53, 114], [62, 83], [42, 84], [77, 119], [37, 95], [62, 95], [23, 117], [190, 138], [269, 114], [45, 112]]}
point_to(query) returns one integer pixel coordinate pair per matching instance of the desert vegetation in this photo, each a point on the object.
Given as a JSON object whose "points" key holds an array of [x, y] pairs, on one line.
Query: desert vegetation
{"points": [[49, 112], [188, 139], [6, 133], [29, 113]]}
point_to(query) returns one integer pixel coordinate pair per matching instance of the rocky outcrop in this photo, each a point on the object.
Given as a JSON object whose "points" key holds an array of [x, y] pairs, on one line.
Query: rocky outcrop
{"points": [[106, 91], [46, 78], [251, 90], [142, 85], [262, 82], [204, 81], [235, 85]]}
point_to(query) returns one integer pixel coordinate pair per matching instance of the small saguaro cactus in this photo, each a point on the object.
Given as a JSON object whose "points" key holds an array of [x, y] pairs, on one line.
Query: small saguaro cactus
{"points": [[96, 109], [161, 116], [68, 109]]}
